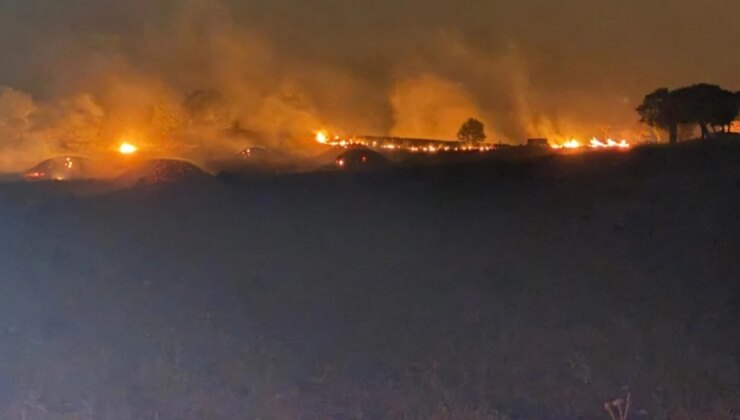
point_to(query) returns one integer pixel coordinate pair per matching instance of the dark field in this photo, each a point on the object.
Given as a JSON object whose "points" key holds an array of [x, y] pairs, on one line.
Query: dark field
{"points": [[532, 289]]}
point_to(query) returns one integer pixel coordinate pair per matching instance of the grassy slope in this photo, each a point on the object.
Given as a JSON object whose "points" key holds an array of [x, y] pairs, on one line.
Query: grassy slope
{"points": [[534, 289]]}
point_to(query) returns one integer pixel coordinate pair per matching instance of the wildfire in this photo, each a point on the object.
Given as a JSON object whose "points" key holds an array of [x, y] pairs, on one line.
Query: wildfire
{"points": [[398, 144], [570, 144], [322, 137], [436, 146], [127, 148], [609, 144], [593, 144]]}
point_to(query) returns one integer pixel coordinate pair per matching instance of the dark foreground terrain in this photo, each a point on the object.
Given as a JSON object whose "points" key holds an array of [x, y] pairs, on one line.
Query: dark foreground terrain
{"points": [[538, 289]]}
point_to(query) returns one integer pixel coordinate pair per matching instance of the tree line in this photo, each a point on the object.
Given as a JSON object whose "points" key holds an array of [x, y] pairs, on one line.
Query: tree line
{"points": [[710, 107]]}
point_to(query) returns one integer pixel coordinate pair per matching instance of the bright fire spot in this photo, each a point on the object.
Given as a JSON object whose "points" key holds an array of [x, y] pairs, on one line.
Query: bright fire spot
{"points": [[609, 144], [322, 138], [594, 144], [570, 144], [408, 145], [127, 149]]}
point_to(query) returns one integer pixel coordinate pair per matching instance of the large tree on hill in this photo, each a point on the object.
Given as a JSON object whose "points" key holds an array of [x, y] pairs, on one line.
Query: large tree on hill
{"points": [[472, 132], [659, 111], [707, 105], [727, 112]]}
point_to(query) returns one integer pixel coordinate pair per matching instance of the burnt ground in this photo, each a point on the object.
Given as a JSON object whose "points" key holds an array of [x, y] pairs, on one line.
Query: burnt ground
{"points": [[538, 288]]}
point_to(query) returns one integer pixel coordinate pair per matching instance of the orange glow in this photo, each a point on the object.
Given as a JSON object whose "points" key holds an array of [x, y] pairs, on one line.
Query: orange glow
{"points": [[570, 144], [322, 137], [127, 148], [609, 144], [436, 146], [593, 144], [408, 145]]}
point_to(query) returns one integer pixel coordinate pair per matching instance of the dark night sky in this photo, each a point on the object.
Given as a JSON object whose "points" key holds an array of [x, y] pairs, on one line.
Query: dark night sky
{"points": [[409, 67]]}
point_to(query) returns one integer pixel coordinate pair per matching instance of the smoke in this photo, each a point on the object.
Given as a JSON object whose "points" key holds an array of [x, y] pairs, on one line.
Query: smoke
{"points": [[16, 109], [428, 106], [201, 79]]}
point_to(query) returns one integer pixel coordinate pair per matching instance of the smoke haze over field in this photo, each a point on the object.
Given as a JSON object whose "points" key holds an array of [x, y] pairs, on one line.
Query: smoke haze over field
{"points": [[198, 76]]}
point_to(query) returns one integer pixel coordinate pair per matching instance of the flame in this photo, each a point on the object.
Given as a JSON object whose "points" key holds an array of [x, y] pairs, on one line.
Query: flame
{"points": [[322, 137], [433, 146], [36, 174], [570, 144], [436, 146], [609, 144], [127, 148], [593, 144]]}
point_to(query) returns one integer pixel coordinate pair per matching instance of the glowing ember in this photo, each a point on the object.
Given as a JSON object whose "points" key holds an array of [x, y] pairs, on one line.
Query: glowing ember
{"points": [[36, 174], [127, 149]]}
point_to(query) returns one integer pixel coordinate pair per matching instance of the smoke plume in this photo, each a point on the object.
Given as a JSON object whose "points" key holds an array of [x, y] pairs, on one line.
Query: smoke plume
{"points": [[200, 78]]}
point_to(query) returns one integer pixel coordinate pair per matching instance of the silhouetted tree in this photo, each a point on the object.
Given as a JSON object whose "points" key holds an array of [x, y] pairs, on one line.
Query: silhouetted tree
{"points": [[472, 131], [707, 105], [657, 110], [728, 109]]}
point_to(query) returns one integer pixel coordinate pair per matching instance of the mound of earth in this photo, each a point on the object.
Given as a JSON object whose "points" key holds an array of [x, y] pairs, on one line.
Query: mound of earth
{"points": [[361, 159], [157, 171], [63, 168]]}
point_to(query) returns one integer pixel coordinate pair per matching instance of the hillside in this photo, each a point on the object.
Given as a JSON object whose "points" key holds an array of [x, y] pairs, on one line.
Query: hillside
{"points": [[538, 288]]}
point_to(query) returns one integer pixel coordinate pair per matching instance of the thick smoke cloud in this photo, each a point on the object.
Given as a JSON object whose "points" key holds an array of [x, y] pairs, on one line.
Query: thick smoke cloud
{"points": [[81, 74]]}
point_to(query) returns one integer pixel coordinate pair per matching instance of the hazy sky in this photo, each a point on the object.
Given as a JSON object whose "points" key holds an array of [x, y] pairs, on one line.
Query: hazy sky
{"points": [[409, 67]]}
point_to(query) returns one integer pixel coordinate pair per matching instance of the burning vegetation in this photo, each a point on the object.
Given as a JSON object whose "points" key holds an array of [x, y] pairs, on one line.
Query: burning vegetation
{"points": [[203, 128], [127, 149], [432, 271], [436, 146], [400, 144], [574, 144]]}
